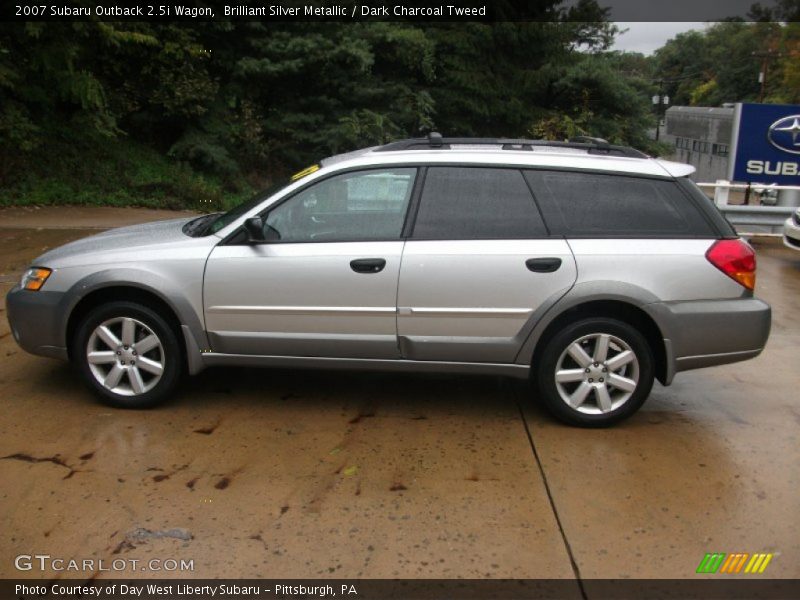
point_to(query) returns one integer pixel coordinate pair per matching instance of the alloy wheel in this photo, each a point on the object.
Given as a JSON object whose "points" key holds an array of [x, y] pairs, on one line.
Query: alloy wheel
{"points": [[125, 356], [597, 373]]}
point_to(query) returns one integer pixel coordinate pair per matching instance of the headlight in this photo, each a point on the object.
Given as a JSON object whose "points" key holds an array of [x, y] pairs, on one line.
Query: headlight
{"points": [[34, 278]]}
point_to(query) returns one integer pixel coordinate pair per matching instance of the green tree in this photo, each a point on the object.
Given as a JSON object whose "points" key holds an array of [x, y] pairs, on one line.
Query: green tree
{"points": [[244, 102], [594, 100], [722, 63]]}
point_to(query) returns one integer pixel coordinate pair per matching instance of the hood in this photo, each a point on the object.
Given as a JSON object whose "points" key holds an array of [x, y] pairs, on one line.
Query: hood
{"points": [[124, 244]]}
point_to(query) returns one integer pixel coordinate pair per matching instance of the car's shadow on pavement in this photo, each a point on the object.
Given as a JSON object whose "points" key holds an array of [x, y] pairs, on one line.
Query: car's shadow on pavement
{"points": [[350, 390]]}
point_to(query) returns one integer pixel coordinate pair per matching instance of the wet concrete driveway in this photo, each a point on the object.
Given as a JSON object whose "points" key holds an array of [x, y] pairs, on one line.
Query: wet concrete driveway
{"points": [[260, 473]]}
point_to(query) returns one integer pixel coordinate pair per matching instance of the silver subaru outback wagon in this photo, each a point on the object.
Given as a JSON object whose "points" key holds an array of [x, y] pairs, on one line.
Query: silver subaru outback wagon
{"points": [[590, 268]]}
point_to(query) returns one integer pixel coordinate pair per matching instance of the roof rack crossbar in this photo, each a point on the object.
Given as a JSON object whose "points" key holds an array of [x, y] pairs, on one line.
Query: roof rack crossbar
{"points": [[435, 141]]}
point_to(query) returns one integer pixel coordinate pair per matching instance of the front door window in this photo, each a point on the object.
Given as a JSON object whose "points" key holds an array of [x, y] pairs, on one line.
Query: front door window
{"points": [[362, 205]]}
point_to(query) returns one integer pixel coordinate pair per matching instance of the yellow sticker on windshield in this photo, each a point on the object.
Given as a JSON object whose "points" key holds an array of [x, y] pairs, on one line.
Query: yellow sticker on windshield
{"points": [[304, 172]]}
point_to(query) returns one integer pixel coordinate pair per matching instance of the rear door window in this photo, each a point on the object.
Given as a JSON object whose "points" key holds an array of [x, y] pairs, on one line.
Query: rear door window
{"points": [[607, 205], [464, 203]]}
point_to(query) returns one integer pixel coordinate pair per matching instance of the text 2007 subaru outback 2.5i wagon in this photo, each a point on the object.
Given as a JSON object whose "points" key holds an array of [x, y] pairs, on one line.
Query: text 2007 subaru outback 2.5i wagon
{"points": [[593, 268]]}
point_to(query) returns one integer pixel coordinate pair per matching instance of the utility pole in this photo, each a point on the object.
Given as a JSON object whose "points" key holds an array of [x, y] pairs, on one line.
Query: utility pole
{"points": [[765, 57]]}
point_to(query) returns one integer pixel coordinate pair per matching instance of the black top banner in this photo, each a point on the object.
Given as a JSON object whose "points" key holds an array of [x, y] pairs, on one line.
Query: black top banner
{"points": [[382, 10]]}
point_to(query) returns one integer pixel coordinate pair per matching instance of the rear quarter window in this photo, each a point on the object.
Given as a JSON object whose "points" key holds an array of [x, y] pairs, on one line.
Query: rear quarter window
{"points": [[607, 205], [707, 206]]}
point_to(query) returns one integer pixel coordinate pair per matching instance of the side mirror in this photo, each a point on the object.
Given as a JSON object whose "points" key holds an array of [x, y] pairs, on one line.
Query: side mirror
{"points": [[254, 226]]}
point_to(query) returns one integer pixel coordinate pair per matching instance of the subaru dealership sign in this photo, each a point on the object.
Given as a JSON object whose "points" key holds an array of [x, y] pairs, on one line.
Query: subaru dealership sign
{"points": [[766, 144]]}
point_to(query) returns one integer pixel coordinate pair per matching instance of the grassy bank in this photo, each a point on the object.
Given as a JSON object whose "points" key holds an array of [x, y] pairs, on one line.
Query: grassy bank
{"points": [[112, 172]]}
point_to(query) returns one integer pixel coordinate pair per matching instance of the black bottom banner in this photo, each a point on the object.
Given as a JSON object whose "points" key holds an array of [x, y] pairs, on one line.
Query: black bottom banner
{"points": [[406, 589]]}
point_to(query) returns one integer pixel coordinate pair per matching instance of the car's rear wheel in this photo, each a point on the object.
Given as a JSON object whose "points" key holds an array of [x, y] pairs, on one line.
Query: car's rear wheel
{"points": [[595, 372], [128, 354]]}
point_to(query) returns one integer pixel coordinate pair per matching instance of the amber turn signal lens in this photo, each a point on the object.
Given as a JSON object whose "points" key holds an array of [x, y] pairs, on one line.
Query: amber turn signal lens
{"points": [[34, 278]]}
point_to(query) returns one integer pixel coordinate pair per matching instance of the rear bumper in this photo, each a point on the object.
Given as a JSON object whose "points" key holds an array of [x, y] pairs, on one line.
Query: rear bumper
{"points": [[36, 321], [704, 333]]}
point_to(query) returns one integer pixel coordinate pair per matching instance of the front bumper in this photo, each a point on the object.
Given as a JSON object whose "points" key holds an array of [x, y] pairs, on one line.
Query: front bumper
{"points": [[791, 234], [704, 333], [36, 320]]}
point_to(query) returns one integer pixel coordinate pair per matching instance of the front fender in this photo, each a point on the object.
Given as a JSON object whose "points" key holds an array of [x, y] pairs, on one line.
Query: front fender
{"points": [[186, 306]]}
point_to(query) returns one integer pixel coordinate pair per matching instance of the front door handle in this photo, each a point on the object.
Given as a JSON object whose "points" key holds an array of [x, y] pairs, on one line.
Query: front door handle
{"points": [[543, 265], [368, 265]]}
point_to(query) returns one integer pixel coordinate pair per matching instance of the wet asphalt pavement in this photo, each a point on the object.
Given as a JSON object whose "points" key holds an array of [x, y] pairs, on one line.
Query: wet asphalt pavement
{"points": [[278, 473]]}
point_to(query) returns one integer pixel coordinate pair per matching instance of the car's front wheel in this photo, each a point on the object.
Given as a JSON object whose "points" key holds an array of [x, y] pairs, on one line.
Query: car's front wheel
{"points": [[128, 354], [595, 372]]}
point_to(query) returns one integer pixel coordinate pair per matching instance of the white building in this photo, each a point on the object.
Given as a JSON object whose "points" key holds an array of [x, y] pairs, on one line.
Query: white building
{"points": [[701, 137]]}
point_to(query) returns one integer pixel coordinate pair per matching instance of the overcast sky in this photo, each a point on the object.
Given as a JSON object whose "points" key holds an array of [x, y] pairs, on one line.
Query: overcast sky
{"points": [[647, 37]]}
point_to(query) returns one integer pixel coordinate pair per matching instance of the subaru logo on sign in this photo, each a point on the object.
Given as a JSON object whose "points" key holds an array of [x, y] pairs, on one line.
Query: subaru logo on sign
{"points": [[785, 134], [766, 144]]}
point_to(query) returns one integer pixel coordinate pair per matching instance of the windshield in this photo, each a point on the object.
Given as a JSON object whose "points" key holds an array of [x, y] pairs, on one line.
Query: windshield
{"points": [[229, 217]]}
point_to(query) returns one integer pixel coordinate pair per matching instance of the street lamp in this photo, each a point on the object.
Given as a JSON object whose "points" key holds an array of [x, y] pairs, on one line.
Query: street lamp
{"points": [[659, 100]]}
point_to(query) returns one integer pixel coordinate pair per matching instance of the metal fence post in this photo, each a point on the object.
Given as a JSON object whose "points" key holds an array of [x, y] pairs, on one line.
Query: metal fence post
{"points": [[788, 198], [721, 192]]}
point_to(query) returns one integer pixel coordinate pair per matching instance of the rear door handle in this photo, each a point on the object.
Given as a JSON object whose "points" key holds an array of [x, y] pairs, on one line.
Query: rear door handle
{"points": [[368, 265], [543, 265]]}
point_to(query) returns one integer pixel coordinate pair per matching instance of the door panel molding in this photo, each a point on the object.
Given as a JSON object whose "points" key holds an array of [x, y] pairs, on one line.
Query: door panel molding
{"points": [[513, 313], [304, 310]]}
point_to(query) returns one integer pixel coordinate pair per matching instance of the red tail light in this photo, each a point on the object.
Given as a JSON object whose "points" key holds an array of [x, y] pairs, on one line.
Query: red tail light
{"points": [[736, 259]]}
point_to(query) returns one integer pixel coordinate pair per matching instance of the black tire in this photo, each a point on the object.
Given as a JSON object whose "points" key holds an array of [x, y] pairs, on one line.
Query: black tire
{"points": [[157, 387], [548, 389]]}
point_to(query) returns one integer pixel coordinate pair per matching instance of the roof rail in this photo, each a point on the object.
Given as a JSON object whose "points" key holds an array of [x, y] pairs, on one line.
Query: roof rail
{"points": [[435, 141]]}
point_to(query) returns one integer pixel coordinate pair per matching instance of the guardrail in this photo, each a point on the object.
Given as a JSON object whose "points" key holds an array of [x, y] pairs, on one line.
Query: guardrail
{"points": [[751, 219], [757, 219]]}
